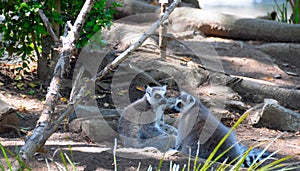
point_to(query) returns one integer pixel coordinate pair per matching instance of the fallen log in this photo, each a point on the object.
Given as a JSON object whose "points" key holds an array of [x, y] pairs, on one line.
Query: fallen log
{"points": [[287, 97], [133, 7], [234, 27]]}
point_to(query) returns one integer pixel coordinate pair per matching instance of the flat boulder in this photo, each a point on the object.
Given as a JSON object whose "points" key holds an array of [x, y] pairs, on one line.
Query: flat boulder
{"points": [[274, 116], [9, 121]]}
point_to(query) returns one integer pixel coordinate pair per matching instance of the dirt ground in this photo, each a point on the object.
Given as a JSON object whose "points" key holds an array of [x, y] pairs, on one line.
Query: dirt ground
{"points": [[88, 155]]}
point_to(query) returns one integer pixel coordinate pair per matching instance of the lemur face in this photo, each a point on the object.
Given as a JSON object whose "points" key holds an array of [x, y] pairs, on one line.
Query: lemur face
{"points": [[183, 102], [156, 95]]}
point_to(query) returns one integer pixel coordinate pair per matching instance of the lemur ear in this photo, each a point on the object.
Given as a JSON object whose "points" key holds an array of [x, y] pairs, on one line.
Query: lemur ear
{"points": [[149, 89]]}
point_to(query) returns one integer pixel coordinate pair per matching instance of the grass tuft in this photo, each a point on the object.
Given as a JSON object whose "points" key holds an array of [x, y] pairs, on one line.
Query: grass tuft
{"points": [[114, 153], [6, 157]]}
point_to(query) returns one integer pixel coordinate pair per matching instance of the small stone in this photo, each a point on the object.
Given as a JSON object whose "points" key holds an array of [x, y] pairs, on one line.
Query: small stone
{"points": [[292, 73], [277, 76], [285, 64], [40, 159]]}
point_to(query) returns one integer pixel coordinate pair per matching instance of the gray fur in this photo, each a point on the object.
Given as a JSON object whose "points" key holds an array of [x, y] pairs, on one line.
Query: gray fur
{"points": [[141, 120], [199, 125]]}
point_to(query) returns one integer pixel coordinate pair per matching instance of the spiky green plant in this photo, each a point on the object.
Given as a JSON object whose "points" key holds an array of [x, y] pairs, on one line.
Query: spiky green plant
{"points": [[15, 156], [281, 11], [6, 157], [114, 153], [278, 164]]}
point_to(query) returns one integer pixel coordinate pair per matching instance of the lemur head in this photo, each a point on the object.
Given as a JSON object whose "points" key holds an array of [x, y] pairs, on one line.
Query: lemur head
{"points": [[156, 95], [184, 102]]}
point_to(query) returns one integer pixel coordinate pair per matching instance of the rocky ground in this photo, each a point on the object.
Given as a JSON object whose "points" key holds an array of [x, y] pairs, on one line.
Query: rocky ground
{"points": [[240, 58]]}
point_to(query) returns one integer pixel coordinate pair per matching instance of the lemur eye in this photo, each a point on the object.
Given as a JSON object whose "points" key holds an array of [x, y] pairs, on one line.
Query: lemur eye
{"points": [[179, 105], [157, 96]]}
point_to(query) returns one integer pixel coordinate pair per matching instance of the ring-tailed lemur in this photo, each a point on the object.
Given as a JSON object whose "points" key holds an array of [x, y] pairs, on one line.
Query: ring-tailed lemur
{"points": [[141, 120], [197, 124]]}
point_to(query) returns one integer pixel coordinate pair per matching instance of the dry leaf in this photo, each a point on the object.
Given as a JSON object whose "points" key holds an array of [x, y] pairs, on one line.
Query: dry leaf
{"points": [[154, 3], [23, 95], [269, 78], [186, 59], [22, 109], [140, 88], [63, 99]]}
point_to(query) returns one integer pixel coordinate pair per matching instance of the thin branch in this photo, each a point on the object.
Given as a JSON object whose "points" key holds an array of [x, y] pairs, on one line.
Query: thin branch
{"points": [[162, 41], [48, 26], [134, 46], [76, 84], [35, 46]]}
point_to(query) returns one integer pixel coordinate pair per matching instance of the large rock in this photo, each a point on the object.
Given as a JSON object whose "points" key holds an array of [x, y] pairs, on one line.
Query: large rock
{"points": [[161, 142], [97, 124], [272, 115], [8, 118]]}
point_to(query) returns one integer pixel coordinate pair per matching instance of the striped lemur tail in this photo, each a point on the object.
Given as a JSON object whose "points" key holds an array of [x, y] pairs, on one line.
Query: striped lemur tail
{"points": [[195, 119], [254, 156]]}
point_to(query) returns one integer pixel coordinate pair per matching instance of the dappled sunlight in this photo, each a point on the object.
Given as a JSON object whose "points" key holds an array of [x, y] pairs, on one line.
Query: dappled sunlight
{"points": [[253, 68]]}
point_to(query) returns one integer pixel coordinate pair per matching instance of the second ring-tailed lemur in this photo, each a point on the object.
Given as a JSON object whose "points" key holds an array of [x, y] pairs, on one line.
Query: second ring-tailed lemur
{"points": [[197, 124]]}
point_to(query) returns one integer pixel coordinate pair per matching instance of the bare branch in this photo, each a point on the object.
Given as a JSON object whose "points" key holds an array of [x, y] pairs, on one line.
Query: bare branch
{"points": [[162, 41], [138, 43], [48, 26]]}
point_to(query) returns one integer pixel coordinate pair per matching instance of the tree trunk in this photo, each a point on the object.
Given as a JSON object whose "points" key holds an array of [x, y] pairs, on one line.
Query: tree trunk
{"points": [[41, 132], [234, 27], [43, 71]]}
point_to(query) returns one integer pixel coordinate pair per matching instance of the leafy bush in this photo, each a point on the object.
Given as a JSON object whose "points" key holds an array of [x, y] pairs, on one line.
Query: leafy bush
{"points": [[23, 29]]}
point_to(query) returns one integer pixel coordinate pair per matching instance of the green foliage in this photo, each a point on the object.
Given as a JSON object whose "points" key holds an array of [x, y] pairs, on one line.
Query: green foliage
{"points": [[282, 9], [22, 24], [6, 158], [296, 11], [16, 156], [23, 28]]}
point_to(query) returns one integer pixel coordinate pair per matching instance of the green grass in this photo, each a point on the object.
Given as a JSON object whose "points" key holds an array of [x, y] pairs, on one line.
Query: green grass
{"points": [[16, 156], [281, 10], [208, 165], [296, 12], [6, 158]]}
